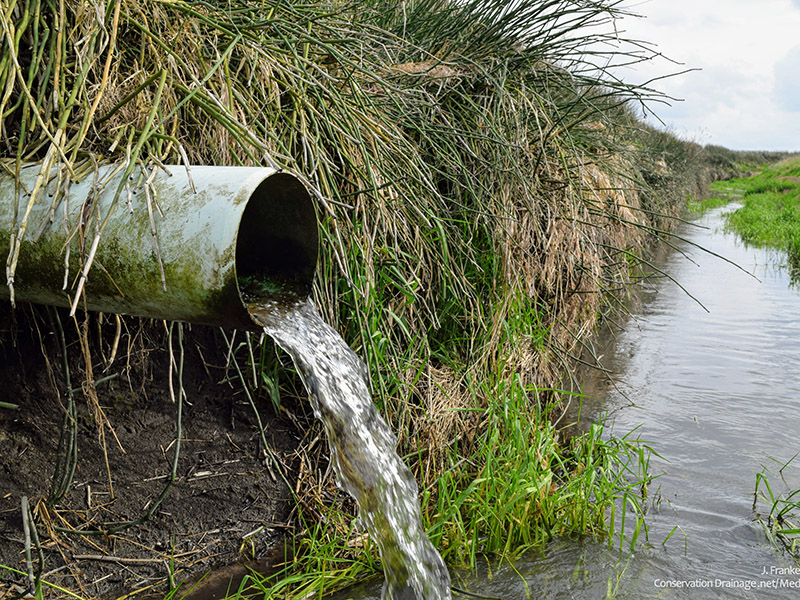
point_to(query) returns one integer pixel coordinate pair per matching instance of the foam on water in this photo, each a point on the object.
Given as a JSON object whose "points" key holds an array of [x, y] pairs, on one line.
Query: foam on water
{"points": [[362, 448]]}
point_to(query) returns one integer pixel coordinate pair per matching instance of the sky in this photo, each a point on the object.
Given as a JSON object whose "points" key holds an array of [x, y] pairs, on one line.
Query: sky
{"points": [[744, 90]]}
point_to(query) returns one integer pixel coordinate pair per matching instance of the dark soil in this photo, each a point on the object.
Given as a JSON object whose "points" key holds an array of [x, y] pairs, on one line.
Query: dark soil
{"points": [[227, 504]]}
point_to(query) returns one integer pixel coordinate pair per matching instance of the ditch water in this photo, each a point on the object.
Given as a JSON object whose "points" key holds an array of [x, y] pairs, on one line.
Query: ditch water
{"points": [[716, 395], [362, 448]]}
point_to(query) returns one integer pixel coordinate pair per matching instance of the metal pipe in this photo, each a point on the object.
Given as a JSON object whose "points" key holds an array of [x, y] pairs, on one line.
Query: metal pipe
{"points": [[173, 244]]}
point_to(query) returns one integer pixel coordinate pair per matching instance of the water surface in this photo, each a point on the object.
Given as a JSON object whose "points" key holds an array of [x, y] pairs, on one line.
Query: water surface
{"points": [[714, 389]]}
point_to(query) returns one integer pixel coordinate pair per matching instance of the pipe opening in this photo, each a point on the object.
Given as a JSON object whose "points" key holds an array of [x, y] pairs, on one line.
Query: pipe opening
{"points": [[277, 241]]}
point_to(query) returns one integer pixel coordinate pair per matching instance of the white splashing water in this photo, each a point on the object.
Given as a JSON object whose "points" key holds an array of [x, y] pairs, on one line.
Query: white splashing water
{"points": [[362, 448]]}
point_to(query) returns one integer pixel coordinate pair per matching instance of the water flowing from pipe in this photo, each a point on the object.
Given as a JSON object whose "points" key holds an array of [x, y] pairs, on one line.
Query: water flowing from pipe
{"points": [[362, 448]]}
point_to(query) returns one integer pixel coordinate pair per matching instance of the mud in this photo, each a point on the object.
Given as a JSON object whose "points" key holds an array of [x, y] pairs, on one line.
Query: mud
{"points": [[228, 503]]}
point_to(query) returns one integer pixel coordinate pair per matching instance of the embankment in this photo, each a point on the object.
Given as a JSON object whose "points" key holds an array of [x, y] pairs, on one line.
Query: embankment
{"points": [[483, 193]]}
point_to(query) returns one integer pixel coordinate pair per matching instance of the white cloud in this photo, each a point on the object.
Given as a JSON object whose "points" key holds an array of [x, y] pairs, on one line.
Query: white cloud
{"points": [[787, 80], [744, 53]]}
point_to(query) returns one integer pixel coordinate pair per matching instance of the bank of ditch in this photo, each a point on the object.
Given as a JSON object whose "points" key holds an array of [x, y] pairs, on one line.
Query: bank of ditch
{"points": [[770, 212], [485, 197]]}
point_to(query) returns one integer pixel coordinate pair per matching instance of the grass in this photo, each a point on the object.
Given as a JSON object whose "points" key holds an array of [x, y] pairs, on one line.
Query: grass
{"points": [[718, 200], [781, 523], [531, 487], [770, 212], [724, 164]]}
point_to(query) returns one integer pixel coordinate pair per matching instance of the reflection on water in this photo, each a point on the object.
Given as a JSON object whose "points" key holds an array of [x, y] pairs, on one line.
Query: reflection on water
{"points": [[716, 394]]}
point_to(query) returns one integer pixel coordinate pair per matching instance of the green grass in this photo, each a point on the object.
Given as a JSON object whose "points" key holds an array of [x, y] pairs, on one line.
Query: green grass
{"points": [[770, 212], [781, 523], [526, 486], [699, 207]]}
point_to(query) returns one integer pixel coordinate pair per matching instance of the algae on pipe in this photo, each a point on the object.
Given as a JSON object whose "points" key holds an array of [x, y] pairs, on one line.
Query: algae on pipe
{"points": [[175, 247]]}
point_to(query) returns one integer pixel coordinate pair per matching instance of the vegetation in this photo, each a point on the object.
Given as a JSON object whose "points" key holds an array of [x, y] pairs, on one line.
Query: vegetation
{"points": [[781, 524], [725, 164], [770, 212], [698, 207], [484, 191]]}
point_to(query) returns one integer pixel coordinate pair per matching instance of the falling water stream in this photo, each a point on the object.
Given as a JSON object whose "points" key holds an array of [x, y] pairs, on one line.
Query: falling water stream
{"points": [[362, 448]]}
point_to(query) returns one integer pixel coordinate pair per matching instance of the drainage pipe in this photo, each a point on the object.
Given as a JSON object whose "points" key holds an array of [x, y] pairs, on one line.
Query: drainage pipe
{"points": [[176, 244]]}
